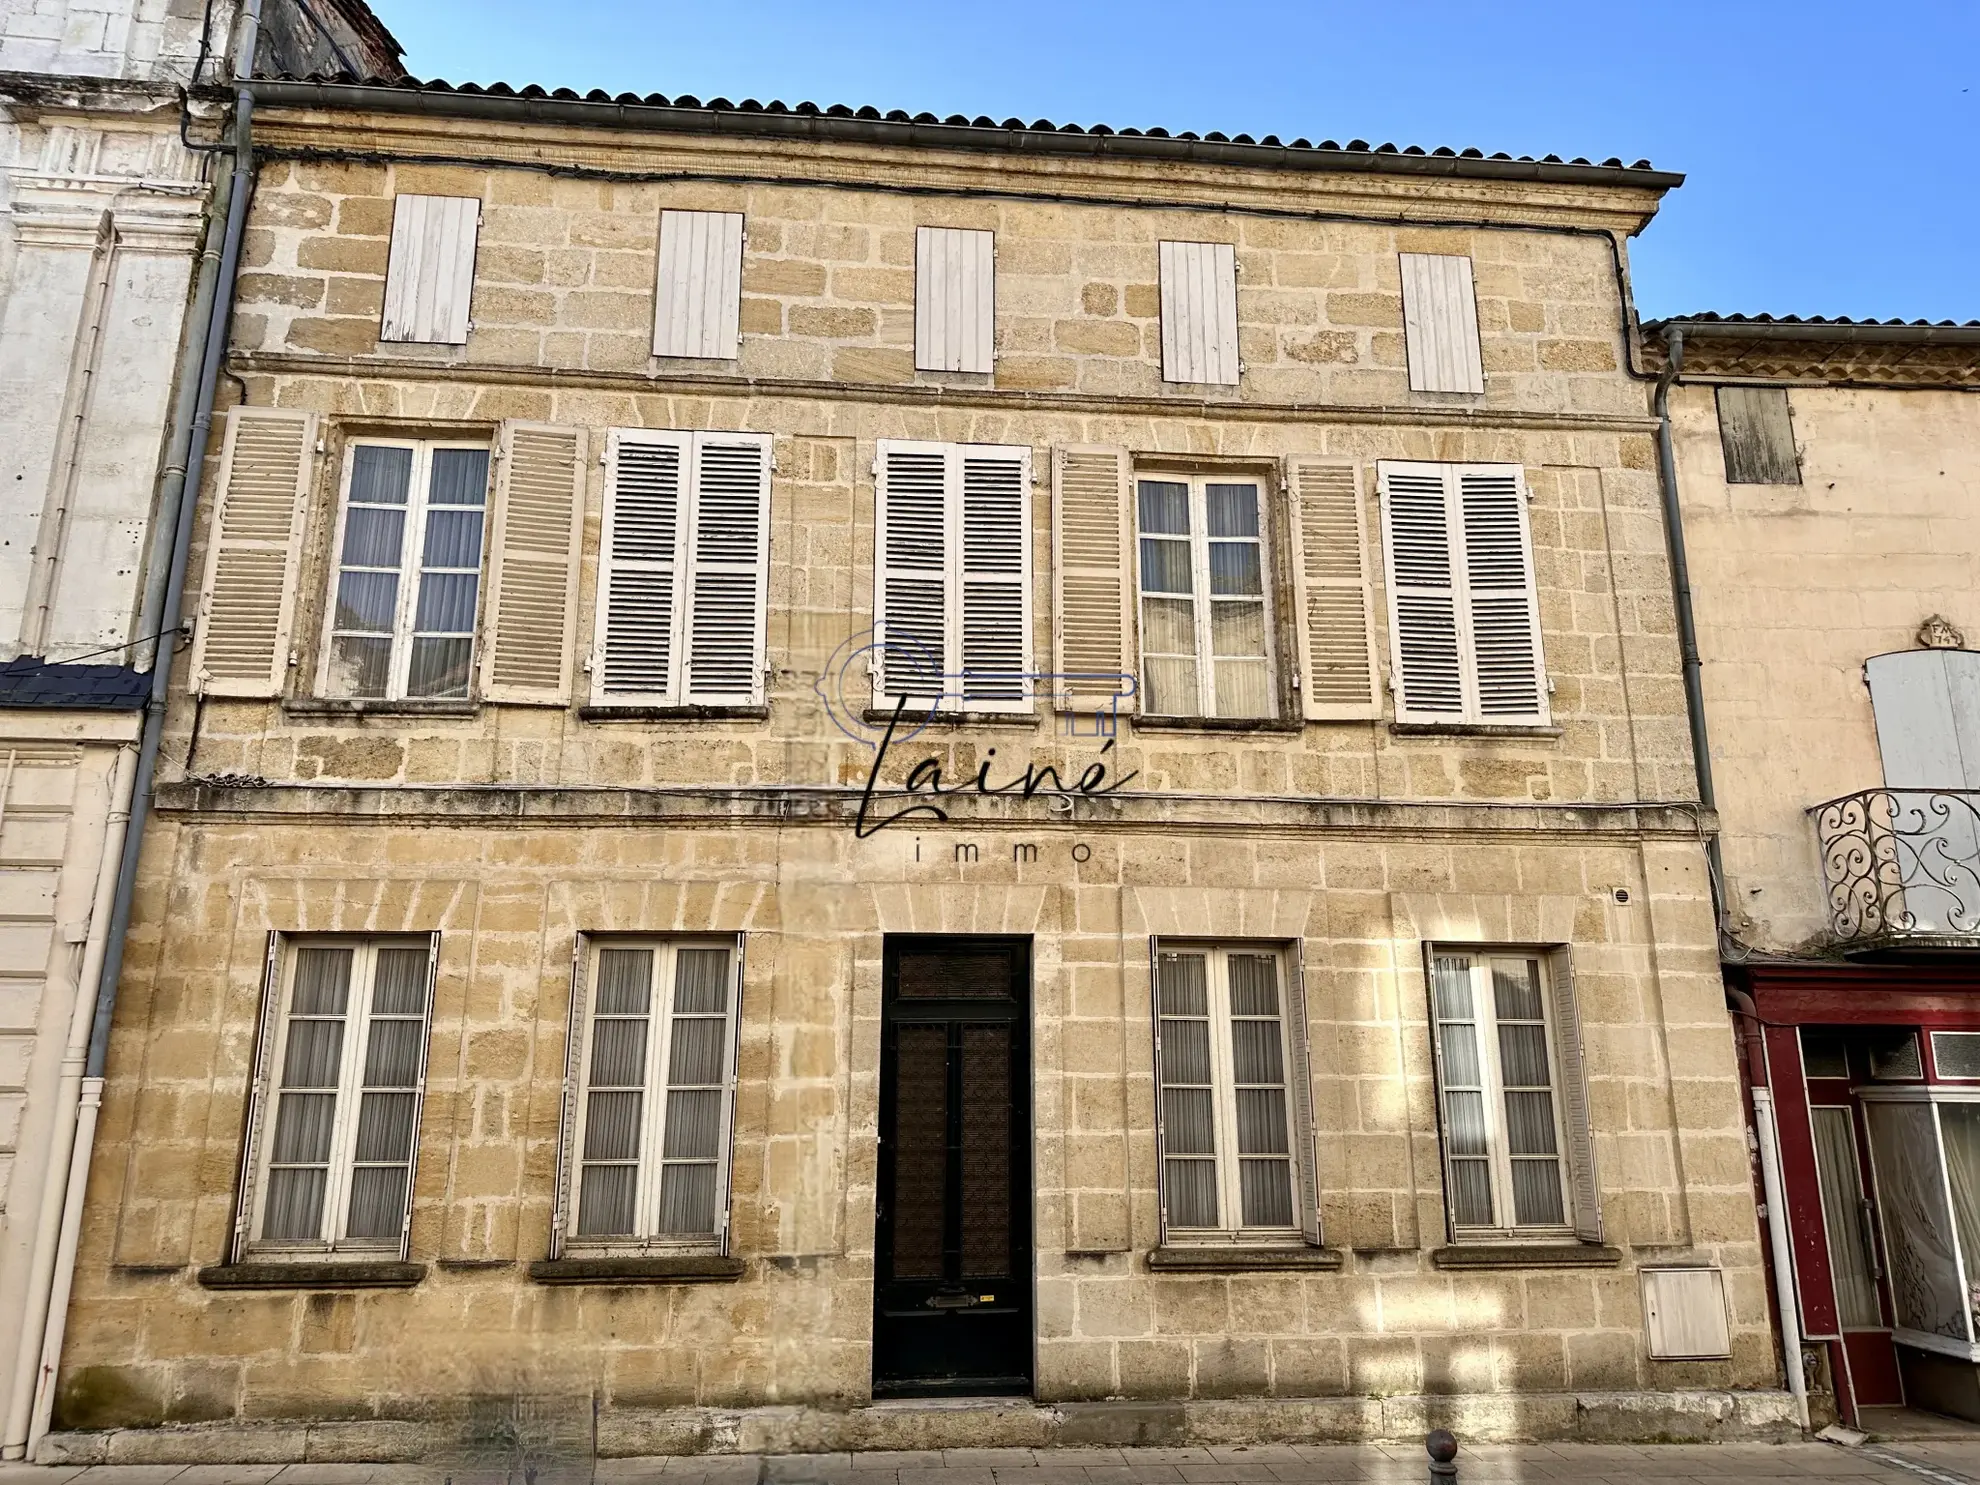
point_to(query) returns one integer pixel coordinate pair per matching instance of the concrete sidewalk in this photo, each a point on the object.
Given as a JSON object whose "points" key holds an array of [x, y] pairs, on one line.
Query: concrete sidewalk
{"points": [[1949, 1462]]}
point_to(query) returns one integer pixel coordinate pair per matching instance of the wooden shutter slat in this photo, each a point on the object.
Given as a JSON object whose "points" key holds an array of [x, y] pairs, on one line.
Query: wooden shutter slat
{"points": [[954, 311], [1440, 324], [698, 306], [1583, 1185], [642, 547], [533, 568], [993, 578], [1424, 633], [429, 276], [1334, 622], [1092, 577], [912, 587], [1199, 312], [1503, 607], [728, 570], [254, 554]]}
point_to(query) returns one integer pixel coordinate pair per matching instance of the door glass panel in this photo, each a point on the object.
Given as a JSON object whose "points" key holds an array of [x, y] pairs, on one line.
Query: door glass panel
{"points": [[1961, 1125], [921, 1149], [1911, 1199], [986, 1150], [1847, 1222]]}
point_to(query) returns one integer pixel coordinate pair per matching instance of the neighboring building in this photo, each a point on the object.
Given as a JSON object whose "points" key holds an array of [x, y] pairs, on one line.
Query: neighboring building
{"points": [[102, 212], [1832, 516], [525, 1001]]}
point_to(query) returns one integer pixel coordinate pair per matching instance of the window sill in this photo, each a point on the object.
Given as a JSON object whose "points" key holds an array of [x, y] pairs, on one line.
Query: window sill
{"points": [[1211, 1259], [1473, 729], [674, 713], [1216, 724], [677, 1268], [328, 1274], [1525, 1255], [911, 718], [326, 706], [472, 1265]]}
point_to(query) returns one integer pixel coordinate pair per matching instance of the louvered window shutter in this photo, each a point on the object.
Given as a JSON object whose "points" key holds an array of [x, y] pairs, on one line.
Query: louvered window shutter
{"points": [[995, 577], [564, 1210], [911, 572], [1440, 324], [642, 545], [1504, 613], [954, 299], [429, 278], [697, 310], [1297, 1030], [1092, 577], [254, 554], [260, 1075], [1333, 625], [533, 568], [1583, 1187], [1199, 312], [728, 570], [1424, 640]]}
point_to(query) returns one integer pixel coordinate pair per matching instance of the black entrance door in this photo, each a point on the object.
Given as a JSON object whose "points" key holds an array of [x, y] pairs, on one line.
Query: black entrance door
{"points": [[952, 1280]]}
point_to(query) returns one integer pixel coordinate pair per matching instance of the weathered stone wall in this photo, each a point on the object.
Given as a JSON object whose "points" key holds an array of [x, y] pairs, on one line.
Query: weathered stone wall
{"points": [[1794, 587]]}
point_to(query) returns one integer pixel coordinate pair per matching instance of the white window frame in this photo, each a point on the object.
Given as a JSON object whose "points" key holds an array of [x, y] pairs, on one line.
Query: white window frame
{"points": [[1484, 1020], [646, 1239], [411, 556], [267, 1093], [1202, 599], [1292, 1032]]}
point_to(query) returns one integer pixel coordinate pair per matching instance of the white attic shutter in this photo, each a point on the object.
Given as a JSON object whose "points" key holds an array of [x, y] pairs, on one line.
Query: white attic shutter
{"points": [[1092, 575], [1424, 641], [1199, 312], [728, 570], [531, 616], [1503, 606], [994, 576], [697, 310], [429, 279], [954, 299], [254, 553], [1440, 324], [642, 549], [1333, 623], [1583, 1186], [911, 579]]}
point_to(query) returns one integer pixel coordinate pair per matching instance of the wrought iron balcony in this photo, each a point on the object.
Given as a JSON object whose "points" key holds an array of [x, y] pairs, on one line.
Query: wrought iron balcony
{"points": [[1902, 868]]}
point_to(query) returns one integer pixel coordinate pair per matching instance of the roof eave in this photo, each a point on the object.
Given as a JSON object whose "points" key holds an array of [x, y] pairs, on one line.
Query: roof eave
{"points": [[1760, 330]]}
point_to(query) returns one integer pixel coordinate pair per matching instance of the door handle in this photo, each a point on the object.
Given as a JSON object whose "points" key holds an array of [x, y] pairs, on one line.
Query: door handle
{"points": [[1868, 1224]]}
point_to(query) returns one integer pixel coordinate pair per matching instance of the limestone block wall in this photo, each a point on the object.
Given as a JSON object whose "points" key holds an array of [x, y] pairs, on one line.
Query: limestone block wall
{"points": [[148, 1344], [1794, 587]]}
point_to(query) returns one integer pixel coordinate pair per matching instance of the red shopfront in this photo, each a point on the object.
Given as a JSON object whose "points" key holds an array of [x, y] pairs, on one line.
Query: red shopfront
{"points": [[1875, 1071]]}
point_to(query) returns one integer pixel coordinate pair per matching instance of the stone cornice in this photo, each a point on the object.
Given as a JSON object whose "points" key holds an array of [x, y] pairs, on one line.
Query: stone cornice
{"points": [[549, 807], [374, 369]]}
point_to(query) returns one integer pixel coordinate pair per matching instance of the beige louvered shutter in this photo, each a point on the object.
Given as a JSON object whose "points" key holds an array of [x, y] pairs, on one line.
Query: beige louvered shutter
{"points": [[533, 565], [993, 576], [1503, 610], [261, 1074], [1199, 312], [1301, 1071], [1583, 1186], [429, 277], [1440, 324], [1425, 648], [911, 579], [1333, 624], [247, 603], [728, 570], [697, 309], [1093, 659], [642, 550]]}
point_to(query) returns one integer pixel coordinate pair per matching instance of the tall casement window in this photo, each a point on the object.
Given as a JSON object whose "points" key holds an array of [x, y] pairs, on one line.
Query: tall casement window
{"points": [[1464, 611], [952, 577], [683, 569], [1518, 1159], [335, 1112], [1235, 1108], [1206, 610], [407, 587], [651, 1094]]}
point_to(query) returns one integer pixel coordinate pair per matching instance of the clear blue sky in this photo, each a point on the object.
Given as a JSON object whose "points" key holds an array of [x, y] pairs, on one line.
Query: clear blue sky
{"points": [[1833, 149]]}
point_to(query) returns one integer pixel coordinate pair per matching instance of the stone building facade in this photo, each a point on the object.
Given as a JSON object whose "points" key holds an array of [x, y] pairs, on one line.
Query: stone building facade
{"points": [[919, 1127], [1826, 471]]}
